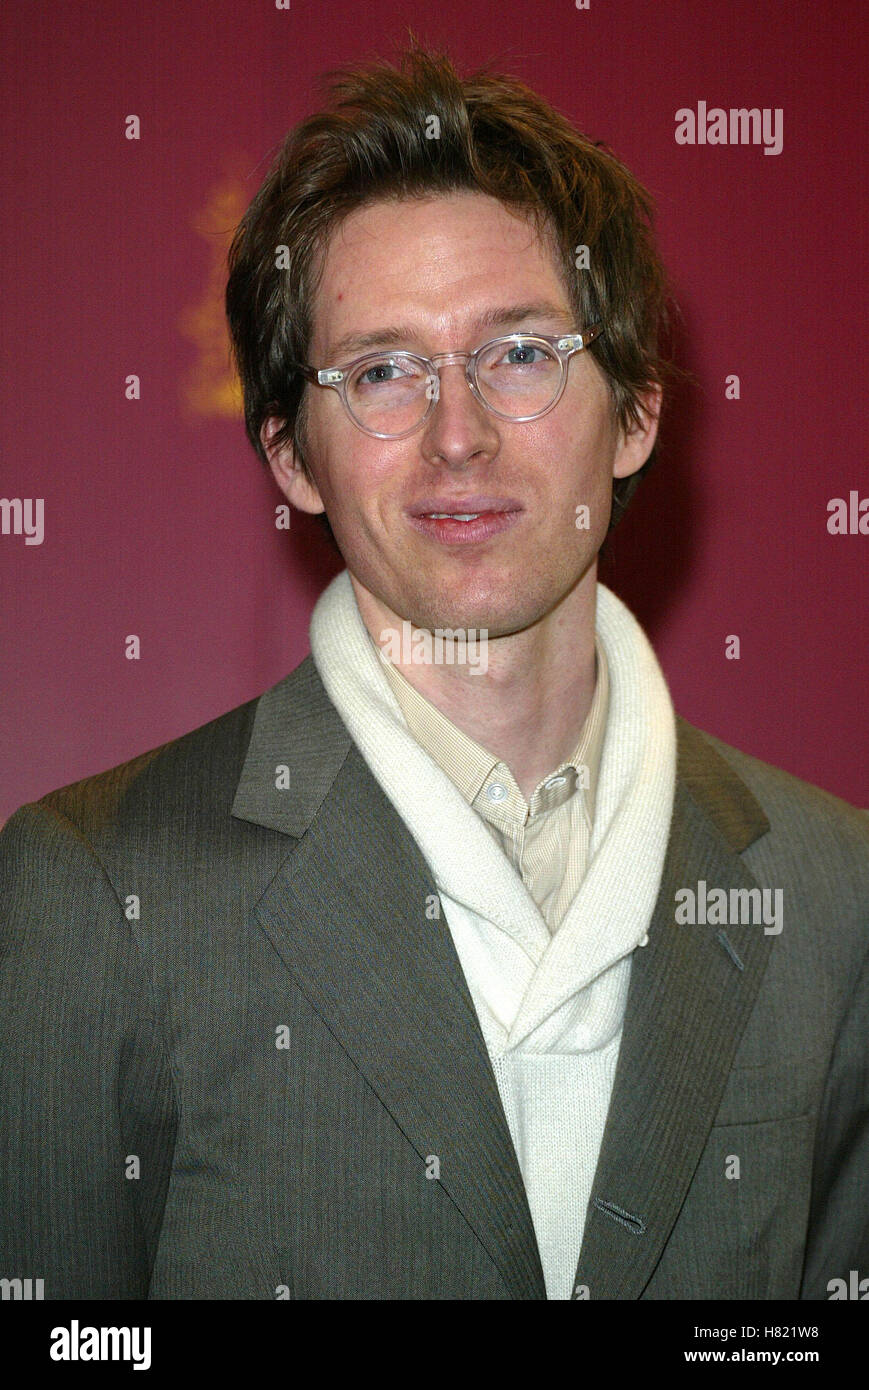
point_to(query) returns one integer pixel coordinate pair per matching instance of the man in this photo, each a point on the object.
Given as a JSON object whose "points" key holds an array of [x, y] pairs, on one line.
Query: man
{"points": [[456, 965]]}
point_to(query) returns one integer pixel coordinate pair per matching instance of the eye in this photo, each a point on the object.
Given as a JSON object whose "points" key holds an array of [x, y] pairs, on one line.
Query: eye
{"points": [[523, 355], [380, 372], [516, 355], [386, 371]]}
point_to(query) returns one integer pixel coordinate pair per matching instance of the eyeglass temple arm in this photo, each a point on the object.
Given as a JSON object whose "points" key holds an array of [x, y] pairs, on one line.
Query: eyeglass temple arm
{"points": [[331, 376], [307, 372], [574, 342]]}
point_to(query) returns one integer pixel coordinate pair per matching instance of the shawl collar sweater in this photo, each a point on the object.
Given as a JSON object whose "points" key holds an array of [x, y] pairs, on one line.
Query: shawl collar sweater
{"points": [[550, 1006]]}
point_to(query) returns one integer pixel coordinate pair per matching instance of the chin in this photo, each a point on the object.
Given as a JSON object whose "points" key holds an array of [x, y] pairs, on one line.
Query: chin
{"points": [[497, 618], [507, 606]]}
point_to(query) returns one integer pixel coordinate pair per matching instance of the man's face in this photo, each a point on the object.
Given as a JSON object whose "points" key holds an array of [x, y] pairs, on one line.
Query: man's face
{"points": [[442, 271]]}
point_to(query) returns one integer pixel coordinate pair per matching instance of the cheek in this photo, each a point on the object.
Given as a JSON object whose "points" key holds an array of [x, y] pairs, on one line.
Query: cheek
{"points": [[578, 489], [354, 474], [576, 452]]}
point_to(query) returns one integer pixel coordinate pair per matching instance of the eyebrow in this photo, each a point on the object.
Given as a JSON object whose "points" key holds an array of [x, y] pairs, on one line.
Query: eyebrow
{"points": [[399, 334]]}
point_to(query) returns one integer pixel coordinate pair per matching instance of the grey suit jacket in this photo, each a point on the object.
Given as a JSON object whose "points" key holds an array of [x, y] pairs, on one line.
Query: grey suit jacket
{"points": [[232, 1039]]}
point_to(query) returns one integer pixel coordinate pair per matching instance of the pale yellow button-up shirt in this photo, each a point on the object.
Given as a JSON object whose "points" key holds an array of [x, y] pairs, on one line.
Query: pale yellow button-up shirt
{"points": [[547, 841]]}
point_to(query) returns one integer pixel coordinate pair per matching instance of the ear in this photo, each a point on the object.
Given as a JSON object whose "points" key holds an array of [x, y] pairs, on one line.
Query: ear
{"points": [[287, 471], [636, 443]]}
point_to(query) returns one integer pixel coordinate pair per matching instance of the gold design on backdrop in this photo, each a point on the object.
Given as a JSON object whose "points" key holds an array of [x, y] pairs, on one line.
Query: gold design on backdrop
{"points": [[210, 387]]}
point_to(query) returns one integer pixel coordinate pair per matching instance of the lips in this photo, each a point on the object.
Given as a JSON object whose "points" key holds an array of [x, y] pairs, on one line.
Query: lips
{"points": [[464, 522], [474, 506]]}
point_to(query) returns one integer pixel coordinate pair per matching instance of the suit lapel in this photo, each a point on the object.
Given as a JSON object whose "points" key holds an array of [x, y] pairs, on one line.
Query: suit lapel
{"points": [[347, 914], [688, 1004]]}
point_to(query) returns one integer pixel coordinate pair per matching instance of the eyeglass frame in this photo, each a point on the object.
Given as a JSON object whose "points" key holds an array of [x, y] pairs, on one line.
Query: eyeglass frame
{"points": [[565, 345]]}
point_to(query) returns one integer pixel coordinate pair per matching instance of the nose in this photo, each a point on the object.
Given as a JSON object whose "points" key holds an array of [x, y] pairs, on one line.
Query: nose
{"points": [[460, 430]]}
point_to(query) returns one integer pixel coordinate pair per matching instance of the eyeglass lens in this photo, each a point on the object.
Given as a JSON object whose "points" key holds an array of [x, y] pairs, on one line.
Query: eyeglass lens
{"points": [[391, 393]]}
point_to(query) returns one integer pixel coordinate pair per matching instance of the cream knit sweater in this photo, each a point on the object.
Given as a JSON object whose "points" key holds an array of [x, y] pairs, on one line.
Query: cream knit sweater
{"points": [[550, 1007]]}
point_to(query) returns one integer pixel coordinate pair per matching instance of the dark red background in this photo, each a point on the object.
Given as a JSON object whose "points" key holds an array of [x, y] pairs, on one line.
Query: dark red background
{"points": [[159, 519]]}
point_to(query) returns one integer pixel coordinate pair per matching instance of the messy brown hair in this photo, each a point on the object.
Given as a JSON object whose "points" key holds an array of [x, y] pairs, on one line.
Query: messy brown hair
{"points": [[495, 136]]}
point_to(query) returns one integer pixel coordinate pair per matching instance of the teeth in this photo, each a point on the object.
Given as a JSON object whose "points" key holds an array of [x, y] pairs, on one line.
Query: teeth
{"points": [[454, 516]]}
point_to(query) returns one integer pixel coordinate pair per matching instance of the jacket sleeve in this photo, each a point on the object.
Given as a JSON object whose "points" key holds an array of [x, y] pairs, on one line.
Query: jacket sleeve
{"points": [[85, 1084], [838, 1236]]}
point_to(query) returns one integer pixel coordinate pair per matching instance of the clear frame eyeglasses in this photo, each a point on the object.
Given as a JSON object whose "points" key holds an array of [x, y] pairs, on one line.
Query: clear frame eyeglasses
{"points": [[392, 394]]}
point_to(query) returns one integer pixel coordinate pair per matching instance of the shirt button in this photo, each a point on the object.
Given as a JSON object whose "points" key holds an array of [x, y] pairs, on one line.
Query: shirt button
{"points": [[496, 791], [555, 782], [645, 940]]}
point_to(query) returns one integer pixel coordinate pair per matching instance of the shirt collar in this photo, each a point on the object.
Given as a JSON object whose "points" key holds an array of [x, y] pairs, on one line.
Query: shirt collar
{"points": [[470, 766]]}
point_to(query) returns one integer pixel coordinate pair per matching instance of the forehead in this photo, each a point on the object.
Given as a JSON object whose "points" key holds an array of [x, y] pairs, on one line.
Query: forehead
{"points": [[435, 263]]}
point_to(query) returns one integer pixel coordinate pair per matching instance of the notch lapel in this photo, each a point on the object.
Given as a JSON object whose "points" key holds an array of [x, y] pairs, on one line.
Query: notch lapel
{"points": [[688, 1005], [347, 914]]}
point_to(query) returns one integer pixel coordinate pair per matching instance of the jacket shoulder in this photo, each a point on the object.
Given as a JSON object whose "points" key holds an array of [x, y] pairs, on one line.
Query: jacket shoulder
{"points": [[806, 824], [775, 787], [195, 774], [811, 846]]}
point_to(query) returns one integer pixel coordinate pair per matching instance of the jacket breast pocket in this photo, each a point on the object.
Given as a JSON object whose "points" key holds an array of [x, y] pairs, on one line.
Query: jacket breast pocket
{"points": [[785, 1089], [741, 1233]]}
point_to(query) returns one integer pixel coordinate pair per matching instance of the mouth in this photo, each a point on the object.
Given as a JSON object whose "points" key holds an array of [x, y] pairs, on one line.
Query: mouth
{"points": [[464, 522]]}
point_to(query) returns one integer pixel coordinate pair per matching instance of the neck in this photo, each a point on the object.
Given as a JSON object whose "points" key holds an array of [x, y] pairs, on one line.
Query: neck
{"points": [[528, 708]]}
